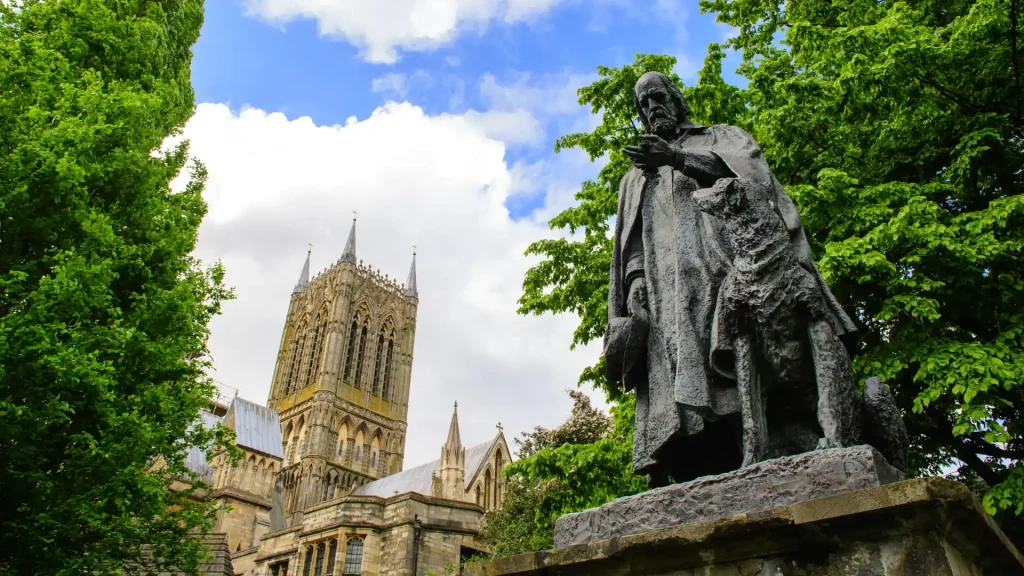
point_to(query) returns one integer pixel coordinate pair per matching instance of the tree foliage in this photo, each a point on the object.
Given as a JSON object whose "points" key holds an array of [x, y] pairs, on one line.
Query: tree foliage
{"points": [[896, 128], [585, 425], [103, 312], [564, 470]]}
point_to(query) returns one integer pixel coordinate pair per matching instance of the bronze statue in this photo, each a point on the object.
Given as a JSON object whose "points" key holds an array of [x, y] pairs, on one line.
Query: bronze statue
{"points": [[718, 317]]}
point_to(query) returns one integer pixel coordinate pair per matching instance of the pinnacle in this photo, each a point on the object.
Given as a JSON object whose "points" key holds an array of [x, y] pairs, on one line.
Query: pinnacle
{"points": [[349, 255], [304, 275]]}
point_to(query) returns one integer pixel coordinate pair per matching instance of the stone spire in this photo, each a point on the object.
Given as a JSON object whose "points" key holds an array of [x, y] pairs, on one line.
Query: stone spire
{"points": [[304, 275], [453, 463], [410, 282], [454, 440], [349, 255]]}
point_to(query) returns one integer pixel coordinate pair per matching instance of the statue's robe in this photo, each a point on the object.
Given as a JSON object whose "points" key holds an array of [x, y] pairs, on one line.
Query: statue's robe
{"points": [[687, 421]]}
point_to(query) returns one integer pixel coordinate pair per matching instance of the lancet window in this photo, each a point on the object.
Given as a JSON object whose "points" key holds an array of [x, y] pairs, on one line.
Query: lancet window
{"points": [[389, 361], [360, 354], [318, 337], [378, 367], [382, 366], [350, 353], [320, 558], [353, 557], [297, 354]]}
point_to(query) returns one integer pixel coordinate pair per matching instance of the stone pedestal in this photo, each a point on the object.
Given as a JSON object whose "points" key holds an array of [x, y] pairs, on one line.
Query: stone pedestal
{"points": [[762, 486], [923, 527]]}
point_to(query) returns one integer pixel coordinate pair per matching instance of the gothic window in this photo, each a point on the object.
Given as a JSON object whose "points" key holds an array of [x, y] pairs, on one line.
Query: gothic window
{"points": [[308, 564], [318, 338], [487, 489], [389, 358], [361, 354], [279, 569], [297, 355], [353, 333], [374, 452], [378, 366], [354, 557], [479, 496], [321, 551], [499, 464], [342, 437], [332, 552]]}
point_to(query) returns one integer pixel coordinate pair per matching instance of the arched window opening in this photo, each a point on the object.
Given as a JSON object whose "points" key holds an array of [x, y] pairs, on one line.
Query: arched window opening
{"points": [[358, 451], [479, 496], [353, 333], [342, 437], [297, 355], [378, 366], [332, 552], [499, 464], [321, 551], [487, 489], [388, 361], [354, 557], [374, 452], [361, 355], [308, 564], [318, 338]]}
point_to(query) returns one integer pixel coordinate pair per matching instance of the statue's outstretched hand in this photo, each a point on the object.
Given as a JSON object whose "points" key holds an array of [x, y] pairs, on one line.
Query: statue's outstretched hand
{"points": [[653, 153]]}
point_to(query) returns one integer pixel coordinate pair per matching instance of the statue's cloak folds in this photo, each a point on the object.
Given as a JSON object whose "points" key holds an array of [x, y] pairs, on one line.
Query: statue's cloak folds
{"points": [[686, 255]]}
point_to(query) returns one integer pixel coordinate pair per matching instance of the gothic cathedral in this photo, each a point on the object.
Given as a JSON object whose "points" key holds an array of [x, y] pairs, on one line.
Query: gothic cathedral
{"points": [[322, 489], [341, 384]]}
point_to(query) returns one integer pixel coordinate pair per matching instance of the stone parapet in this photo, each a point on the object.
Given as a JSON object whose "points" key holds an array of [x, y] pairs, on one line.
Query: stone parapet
{"points": [[921, 527]]}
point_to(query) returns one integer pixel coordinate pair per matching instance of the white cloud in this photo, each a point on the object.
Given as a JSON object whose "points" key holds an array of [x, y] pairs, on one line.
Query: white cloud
{"points": [[380, 28], [516, 127], [439, 182]]}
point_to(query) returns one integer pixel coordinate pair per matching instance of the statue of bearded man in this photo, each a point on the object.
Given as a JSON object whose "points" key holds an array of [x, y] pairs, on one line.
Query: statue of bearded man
{"points": [[668, 264]]}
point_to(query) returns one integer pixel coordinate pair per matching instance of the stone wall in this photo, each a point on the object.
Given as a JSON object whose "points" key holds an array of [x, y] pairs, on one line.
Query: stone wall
{"points": [[245, 523], [386, 527]]}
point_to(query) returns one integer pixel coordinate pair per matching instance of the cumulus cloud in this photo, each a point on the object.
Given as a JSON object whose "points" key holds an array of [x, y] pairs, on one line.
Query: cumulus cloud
{"points": [[440, 182], [380, 28]]}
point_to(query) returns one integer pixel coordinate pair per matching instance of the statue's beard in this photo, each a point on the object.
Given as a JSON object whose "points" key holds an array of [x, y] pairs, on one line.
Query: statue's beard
{"points": [[664, 127]]}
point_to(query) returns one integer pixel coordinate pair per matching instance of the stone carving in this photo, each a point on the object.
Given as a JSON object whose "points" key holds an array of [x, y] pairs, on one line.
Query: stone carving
{"points": [[718, 316]]}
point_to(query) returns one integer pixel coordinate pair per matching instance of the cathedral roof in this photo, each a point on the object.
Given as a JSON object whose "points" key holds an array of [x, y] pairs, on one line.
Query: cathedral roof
{"points": [[419, 479], [196, 458], [256, 427]]}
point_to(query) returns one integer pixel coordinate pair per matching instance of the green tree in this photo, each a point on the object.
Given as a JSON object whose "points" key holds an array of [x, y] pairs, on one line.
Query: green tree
{"points": [[585, 425], [567, 471], [103, 312], [896, 127]]}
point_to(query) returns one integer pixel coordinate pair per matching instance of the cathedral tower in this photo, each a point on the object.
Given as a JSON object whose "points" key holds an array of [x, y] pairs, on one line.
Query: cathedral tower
{"points": [[341, 382]]}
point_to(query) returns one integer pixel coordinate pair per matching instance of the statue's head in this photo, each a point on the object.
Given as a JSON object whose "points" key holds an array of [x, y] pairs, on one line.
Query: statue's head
{"points": [[660, 104]]}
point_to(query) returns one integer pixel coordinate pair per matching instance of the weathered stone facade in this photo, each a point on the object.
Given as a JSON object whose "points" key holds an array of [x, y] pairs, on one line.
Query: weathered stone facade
{"points": [[326, 456]]}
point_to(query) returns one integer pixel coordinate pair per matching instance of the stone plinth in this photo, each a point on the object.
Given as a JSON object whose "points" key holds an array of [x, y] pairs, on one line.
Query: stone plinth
{"points": [[923, 527], [756, 488]]}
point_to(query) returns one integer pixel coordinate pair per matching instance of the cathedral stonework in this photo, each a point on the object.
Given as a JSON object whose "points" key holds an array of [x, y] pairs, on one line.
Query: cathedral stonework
{"points": [[322, 489]]}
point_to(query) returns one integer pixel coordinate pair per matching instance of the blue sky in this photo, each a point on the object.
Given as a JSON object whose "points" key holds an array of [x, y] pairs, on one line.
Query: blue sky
{"points": [[289, 66], [435, 120]]}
